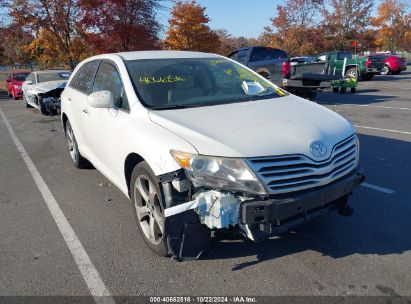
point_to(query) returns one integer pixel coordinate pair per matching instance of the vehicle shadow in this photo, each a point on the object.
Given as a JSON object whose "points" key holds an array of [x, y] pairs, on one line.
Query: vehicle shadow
{"points": [[402, 76], [3, 95], [330, 98], [380, 224]]}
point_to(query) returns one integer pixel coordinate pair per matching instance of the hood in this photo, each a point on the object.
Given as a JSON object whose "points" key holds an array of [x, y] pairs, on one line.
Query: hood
{"points": [[279, 126], [48, 86]]}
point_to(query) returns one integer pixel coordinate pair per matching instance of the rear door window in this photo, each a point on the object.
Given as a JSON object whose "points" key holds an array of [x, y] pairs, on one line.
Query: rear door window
{"points": [[242, 55], [261, 54]]}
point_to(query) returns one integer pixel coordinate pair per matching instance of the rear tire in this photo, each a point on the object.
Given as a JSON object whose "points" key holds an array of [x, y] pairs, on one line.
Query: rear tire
{"points": [[386, 70], [148, 205], [78, 160]]}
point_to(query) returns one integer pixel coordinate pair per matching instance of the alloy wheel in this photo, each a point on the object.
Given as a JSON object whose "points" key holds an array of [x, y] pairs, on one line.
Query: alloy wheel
{"points": [[385, 70], [148, 209], [71, 144]]}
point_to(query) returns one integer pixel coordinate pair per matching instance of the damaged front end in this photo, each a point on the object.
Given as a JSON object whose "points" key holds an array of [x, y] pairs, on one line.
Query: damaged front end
{"points": [[193, 210], [192, 213], [50, 102]]}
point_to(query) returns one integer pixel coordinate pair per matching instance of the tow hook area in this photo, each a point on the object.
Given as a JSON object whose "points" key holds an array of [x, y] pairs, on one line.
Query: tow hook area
{"points": [[190, 217], [187, 237]]}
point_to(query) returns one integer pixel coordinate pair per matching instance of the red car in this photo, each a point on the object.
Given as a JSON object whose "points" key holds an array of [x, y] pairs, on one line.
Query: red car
{"points": [[14, 82], [394, 65]]}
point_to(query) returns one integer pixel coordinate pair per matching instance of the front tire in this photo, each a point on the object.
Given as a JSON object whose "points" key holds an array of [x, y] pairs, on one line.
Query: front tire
{"points": [[78, 160], [43, 109], [148, 206], [26, 103]]}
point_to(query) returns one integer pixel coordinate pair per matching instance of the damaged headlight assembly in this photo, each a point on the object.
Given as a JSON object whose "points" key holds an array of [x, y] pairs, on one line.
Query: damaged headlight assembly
{"points": [[230, 174]]}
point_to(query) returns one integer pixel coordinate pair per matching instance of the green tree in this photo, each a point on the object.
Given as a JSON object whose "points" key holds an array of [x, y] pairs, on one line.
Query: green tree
{"points": [[60, 18]]}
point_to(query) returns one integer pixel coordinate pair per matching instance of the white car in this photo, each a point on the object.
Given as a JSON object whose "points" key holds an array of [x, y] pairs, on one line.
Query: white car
{"points": [[199, 142], [42, 90]]}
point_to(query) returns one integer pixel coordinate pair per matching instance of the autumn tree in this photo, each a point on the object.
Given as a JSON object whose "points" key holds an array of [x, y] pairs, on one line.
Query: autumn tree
{"points": [[13, 41], [188, 29], [346, 21], [295, 29], [46, 50], [120, 25], [392, 23], [57, 18], [228, 42]]}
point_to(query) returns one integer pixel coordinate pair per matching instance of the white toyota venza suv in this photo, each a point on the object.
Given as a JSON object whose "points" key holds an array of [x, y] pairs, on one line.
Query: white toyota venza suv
{"points": [[200, 143]]}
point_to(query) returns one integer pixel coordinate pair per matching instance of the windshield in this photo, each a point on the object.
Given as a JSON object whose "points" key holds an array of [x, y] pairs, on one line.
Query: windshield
{"points": [[20, 77], [194, 82], [43, 77]]}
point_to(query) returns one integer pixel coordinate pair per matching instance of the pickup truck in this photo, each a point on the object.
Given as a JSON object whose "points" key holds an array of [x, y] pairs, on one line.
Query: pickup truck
{"points": [[359, 67], [302, 79]]}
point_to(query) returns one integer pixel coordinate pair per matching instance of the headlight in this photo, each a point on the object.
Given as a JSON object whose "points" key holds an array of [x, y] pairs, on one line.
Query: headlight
{"points": [[218, 172], [17, 87], [357, 144]]}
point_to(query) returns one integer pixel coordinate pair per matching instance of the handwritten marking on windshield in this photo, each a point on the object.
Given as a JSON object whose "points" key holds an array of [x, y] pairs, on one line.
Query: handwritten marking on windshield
{"points": [[165, 79]]}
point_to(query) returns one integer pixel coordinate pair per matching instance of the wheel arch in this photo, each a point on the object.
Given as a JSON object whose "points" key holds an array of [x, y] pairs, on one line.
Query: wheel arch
{"points": [[64, 120], [350, 66], [264, 72], [131, 161]]}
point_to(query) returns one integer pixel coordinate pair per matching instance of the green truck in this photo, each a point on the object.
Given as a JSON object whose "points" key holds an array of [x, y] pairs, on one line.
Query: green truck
{"points": [[344, 63]]}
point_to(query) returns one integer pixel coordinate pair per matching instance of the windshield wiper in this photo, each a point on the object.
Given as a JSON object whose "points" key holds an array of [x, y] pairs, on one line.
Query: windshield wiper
{"points": [[172, 107]]}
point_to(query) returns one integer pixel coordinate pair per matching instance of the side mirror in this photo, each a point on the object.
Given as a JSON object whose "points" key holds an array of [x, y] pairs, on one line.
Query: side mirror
{"points": [[8, 80], [29, 82], [101, 99]]}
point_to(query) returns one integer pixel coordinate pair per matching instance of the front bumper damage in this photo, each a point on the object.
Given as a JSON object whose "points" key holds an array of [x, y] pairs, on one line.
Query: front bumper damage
{"points": [[191, 214]]}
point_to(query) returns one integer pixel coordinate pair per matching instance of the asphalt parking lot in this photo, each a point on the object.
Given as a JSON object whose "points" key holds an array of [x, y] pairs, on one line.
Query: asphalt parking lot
{"points": [[368, 253]]}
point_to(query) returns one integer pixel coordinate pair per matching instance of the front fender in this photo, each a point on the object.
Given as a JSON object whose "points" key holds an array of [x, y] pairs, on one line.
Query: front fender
{"points": [[153, 143]]}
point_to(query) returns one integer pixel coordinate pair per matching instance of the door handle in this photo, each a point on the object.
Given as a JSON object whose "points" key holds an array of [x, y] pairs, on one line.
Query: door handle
{"points": [[85, 111]]}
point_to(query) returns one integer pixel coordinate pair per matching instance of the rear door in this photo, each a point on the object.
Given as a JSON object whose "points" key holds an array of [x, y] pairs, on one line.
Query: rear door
{"points": [[76, 94], [269, 61]]}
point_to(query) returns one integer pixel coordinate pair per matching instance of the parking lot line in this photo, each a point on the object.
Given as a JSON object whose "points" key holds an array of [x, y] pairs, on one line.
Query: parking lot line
{"points": [[90, 274], [378, 188], [380, 129], [368, 106]]}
